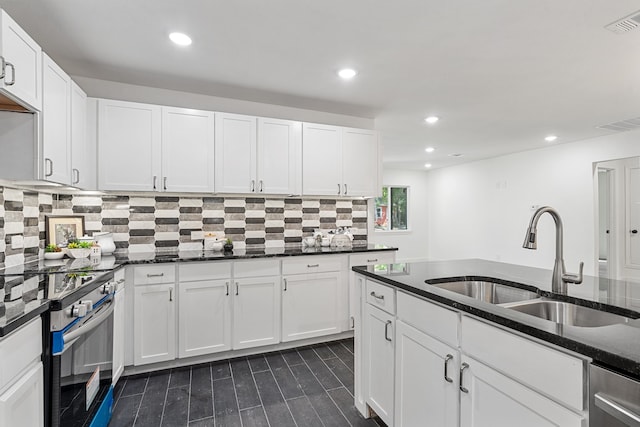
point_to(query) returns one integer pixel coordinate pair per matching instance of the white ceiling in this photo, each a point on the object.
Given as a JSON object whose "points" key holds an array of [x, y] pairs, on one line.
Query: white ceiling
{"points": [[502, 74]]}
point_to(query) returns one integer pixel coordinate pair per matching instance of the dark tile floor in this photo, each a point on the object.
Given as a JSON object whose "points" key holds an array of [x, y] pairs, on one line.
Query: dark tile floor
{"points": [[304, 387]]}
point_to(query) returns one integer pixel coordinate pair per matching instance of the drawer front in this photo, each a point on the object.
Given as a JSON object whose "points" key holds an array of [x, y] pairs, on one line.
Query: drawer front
{"points": [[18, 350], [549, 371], [432, 319], [256, 268], [154, 274], [381, 296], [371, 258], [196, 271], [313, 264]]}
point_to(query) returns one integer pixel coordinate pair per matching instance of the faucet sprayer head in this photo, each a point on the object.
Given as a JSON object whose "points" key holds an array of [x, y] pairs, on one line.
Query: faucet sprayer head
{"points": [[531, 239]]}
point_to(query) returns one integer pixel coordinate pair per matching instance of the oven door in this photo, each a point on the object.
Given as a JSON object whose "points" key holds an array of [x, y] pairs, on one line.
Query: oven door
{"points": [[82, 369], [615, 399]]}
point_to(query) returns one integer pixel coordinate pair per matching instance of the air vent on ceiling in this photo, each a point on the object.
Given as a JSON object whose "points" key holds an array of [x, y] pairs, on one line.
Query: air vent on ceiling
{"points": [[625, 24], [622, 126]]}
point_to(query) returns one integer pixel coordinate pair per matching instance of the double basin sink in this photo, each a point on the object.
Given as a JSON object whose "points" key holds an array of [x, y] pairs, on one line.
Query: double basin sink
{"points": [[531, 303]]}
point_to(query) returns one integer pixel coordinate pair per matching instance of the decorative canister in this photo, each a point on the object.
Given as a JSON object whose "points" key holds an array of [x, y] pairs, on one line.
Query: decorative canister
{"points": [[105, 240]]}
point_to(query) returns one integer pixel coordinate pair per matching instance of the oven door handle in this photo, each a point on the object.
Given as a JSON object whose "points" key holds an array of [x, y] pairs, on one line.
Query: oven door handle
{"points": [[616, 410], [90, 324]]}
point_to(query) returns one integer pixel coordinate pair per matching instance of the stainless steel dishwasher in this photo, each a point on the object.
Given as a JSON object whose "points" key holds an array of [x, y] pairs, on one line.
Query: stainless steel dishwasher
{"points": [[614, 400]]}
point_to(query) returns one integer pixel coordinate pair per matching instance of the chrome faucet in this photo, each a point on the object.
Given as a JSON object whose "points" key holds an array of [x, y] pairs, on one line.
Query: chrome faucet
{"points": [[560, 276]]}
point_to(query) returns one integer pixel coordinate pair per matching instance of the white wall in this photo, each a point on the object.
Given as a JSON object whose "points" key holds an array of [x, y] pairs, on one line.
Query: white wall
{"points": [[412, 244], [482, 209], [126, 92]]}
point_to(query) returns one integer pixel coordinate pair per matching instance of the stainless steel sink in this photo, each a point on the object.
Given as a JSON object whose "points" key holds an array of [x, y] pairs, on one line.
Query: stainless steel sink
{"points": [[568, 314], [494, 293]]}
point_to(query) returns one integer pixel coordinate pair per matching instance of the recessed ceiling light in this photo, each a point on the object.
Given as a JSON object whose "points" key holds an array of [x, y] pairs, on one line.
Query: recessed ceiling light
{"points": [[347, 73], [432, 119], [429, 149], [427, 165], [180, 39], [551, 138]]}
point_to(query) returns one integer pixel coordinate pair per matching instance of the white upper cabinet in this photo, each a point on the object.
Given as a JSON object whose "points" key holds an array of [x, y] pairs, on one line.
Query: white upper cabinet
{"points": [[56, 122], [83, 161], [187, 150], [235, 168], [128, 146], [279, 157], [339, 161], [21, 61]]}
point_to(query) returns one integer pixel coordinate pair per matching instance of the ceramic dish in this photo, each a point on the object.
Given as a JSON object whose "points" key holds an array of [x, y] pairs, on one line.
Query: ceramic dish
{"points": [[53, 255], [79, 253]]}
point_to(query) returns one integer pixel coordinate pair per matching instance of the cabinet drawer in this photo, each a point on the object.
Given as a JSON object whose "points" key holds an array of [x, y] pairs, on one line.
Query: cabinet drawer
{"points": [[18, 350], [154, 274], [381, 296], [312, 264], [549, 371], [256, 268], [429, 318], [370, 258], [192, 272]]}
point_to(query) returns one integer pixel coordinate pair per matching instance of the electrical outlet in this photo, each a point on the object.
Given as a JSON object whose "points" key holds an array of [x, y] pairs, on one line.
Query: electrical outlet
{"points": [[197, 235], [17, 242]]}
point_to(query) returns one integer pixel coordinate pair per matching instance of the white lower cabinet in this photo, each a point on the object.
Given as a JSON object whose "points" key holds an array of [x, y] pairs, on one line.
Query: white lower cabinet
{"points": [[23, 403], [311, 305], [379, 362], [154, 324], [427, 375], [256, 311], [204, 317]]}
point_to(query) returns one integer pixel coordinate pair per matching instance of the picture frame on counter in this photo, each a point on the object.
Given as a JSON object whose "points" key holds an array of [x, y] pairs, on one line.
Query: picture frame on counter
{"points": [[61, 229]]}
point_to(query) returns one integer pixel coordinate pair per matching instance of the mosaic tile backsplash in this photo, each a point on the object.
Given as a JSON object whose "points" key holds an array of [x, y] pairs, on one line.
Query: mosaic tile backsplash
{"points": [[149, 223]]}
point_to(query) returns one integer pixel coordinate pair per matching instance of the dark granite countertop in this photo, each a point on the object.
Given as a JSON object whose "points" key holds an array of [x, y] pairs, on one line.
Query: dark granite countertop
{"points": [[616, 346]]}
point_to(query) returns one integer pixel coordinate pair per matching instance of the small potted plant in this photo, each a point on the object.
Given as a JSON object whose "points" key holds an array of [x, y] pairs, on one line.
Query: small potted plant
{"points": [[52, 251], [78, 249], [228, 245]]}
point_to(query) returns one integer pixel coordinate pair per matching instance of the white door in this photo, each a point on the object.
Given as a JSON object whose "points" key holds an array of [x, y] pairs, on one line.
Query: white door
{"points": [[279, 157], [128, 146], [632, 211], [235, 153], [426, 391], [118, 335], [187, 150], [311, 305], [321, 160], [23, 56], [204, 317], [23, 403], [83, 166], [154, 324], [56, 123], [256, 312], [378, 361], [359, 162], [491, 400]]}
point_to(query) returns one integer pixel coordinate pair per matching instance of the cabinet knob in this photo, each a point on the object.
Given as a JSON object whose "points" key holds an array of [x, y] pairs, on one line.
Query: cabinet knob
{"points": [[462, 369], [634, 232], [48, 161], [386, 330], [13, 75], [446, 368]]}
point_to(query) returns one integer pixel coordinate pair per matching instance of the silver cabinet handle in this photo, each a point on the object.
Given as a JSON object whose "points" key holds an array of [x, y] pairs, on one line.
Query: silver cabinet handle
{"points": [[617, 411], [237, 286], [76, 174], [446, 368], [170, 294], [386, 330], [155, 178], [285, 285], [13, 75], [338, 188], [48, 161], [3, 65], [373, 294], [462, 388], [313, 265], [164, 183], [253, 185], [373, 260], [345, 189], [261, 185], [155, 275], [353, 322], [227, 285]]}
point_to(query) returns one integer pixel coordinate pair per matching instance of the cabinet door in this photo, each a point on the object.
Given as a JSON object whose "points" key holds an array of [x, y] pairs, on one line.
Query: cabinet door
{"points": [[378, 355], [359, 162], [118, 335], [187, 150], [235, 153], [426, 391], [256, 312], [83, 165], [356, 291], [56, 123], [311, 305], [321, 160], [493, 399], [25, 57], [279, 157], [23, 403], [154, 326], [204, 317], [128, 146]]}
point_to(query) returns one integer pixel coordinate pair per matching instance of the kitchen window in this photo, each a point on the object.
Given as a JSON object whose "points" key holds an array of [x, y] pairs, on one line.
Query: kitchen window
{"points": [[392, 209]]}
